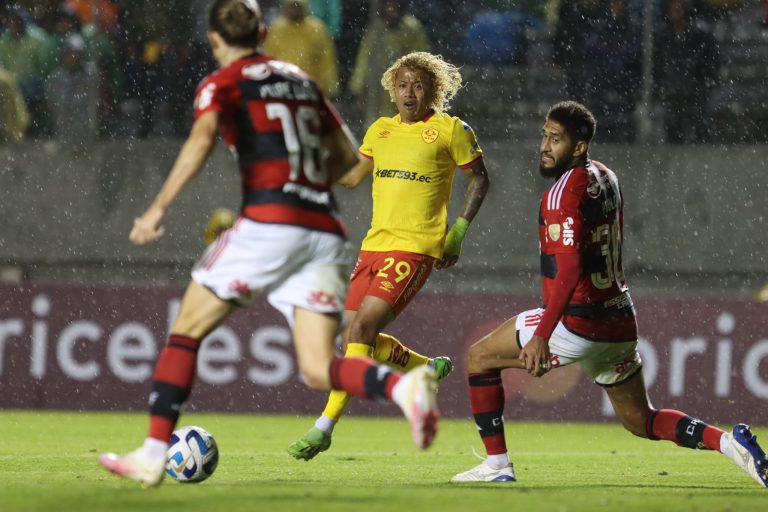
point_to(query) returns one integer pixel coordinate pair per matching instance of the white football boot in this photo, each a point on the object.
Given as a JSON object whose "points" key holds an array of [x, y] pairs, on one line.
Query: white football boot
{"points": [[415, 393], [136, 466], [485, 473], [747, 454]]}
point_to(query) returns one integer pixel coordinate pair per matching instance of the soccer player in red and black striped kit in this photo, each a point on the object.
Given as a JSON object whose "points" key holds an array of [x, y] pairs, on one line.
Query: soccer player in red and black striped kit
{"points": [[288, 242], [587, 317]]}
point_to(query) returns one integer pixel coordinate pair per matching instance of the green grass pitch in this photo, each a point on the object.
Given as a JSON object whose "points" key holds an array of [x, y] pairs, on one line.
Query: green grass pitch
{"points": [[48, 463]]}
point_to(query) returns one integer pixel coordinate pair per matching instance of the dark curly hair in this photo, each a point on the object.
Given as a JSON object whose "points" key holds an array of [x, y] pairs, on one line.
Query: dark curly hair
{"points": [[577, 120]]}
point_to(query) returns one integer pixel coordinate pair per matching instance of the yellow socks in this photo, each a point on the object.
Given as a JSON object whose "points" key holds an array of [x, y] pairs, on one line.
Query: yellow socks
{"points": [[391, 352], [388, 350], [338, 400]]}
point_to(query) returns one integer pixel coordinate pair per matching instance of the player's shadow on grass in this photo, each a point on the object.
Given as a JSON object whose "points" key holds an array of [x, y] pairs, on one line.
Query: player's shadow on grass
{"points": [[527, 487], [522, 487]]}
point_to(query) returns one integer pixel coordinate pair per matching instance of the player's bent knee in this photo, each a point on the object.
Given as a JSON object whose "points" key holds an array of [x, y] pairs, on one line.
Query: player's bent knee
{"points": [[475, 359], [479, 358]]}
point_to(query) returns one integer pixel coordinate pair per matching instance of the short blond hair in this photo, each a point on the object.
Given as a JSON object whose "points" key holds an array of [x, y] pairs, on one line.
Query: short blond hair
{"points": [[446, 78]]}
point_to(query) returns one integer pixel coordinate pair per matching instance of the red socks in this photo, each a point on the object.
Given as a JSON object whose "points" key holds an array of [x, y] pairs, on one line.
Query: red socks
{"points": [[361, 377], [486, 397], [676, 426], [172, 384]]}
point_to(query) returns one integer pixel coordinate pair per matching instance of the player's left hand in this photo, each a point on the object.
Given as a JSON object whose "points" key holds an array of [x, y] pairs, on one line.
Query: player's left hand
{"points": [[535, 356], [453, 241]]}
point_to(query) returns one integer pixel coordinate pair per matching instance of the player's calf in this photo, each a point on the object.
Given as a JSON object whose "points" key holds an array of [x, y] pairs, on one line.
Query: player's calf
{"points": [[684, 430]]}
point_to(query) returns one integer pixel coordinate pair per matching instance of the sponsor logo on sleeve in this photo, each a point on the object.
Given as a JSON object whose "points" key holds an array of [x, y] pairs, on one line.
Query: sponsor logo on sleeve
{"points": [[568, 231], [205, 97]]}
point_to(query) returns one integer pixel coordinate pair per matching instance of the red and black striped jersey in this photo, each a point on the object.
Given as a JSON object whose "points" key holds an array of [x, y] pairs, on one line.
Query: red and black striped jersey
{"points": [[274, 117], [582, 213]]}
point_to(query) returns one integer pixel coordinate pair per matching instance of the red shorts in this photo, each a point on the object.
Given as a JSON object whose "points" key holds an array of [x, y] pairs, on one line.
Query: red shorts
{"points": [[394, 277]]}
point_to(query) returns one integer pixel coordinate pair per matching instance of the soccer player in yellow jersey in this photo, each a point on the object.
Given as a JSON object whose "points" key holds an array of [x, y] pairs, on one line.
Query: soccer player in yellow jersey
{"points": [[412, 157]]}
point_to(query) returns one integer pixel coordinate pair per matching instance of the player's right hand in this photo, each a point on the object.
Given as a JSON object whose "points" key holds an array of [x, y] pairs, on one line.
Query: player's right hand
{"points": [[147, 228], [535, 356], [452, 247]]}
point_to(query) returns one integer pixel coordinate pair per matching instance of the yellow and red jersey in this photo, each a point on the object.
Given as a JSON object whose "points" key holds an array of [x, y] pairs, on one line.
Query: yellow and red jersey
{"points": [[413, 170]]}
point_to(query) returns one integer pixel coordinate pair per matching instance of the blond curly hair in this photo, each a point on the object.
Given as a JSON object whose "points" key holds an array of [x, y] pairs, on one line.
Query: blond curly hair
{"points": [[446, 78]]}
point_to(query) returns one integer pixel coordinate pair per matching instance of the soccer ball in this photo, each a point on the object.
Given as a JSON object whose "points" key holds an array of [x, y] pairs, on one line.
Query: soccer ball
{"points": [[192, 455]]}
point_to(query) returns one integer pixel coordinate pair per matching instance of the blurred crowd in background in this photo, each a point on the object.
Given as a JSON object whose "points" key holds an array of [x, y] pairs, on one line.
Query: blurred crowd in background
{"points": [[80, 70]]}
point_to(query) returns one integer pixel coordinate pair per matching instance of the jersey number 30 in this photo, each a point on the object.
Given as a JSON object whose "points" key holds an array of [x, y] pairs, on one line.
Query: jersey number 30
{"points": [[608, 234]]}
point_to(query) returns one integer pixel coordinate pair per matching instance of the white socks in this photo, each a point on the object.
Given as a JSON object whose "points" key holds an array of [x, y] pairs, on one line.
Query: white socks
{"points": [[154, 448], [725, 446], [498, 461], [325, 424]]}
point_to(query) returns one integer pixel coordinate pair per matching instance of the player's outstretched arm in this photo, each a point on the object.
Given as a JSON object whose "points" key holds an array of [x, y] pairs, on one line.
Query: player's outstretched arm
{"points": [[341, 151], [191, 159], [475, 193], [358, 173]]}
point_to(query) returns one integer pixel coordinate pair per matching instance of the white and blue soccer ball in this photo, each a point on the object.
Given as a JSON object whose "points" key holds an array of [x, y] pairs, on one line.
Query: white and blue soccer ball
{"points": [[192, 455]]}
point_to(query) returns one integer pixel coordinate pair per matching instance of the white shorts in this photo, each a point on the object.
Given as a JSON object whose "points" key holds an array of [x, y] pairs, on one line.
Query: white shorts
{"points": [[607, 363], [294, 266]]}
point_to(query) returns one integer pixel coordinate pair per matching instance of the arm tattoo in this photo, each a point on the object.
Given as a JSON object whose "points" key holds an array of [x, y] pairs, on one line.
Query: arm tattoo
{"points": [[476, 190]]}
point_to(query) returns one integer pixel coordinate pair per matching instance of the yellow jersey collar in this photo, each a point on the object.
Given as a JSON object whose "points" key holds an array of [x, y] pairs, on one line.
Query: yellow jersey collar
{"points": [[426, 118]]}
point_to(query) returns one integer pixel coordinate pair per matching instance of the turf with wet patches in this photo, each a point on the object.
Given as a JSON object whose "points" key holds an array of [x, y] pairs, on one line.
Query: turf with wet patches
{"points": [[48, 463]]}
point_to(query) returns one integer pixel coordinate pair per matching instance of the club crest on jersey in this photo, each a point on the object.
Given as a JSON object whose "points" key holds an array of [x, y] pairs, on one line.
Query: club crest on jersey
{"points": [[593, 189], [554, 232], [430, 135]]}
